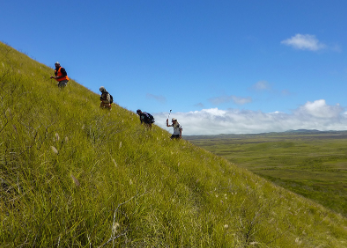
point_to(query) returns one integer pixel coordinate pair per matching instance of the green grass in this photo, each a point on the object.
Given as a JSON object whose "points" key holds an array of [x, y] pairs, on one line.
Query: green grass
{"points": [[73, 175], [312, 165]]}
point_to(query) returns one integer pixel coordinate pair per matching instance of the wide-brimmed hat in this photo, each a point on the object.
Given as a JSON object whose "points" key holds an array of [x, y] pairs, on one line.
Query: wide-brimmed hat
{"points": [[174, 119]]}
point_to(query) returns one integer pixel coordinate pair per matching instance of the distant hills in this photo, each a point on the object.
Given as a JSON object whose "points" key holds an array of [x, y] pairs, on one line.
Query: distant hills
{"points": [[303, 131], [310, 131]]}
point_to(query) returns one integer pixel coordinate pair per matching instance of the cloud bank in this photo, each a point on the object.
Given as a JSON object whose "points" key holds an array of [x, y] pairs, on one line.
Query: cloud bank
{"points": [[304, 42], [311, 115]]}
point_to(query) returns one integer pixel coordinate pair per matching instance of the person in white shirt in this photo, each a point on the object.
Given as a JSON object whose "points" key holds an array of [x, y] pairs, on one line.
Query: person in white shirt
{"points": [[177, 134]]}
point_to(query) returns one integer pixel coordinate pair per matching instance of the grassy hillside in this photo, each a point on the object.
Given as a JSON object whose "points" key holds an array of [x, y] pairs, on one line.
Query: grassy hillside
{"points": [[310, 164], [73, 175]]}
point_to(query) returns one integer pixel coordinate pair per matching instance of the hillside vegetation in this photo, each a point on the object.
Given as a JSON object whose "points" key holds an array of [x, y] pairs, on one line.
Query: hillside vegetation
{"points": [[312, 164], [73, 175]]}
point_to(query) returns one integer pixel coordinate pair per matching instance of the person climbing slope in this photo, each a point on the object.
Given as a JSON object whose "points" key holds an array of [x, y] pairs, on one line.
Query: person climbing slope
{"points": [[146, 118], [177, 134], [60, 75], [105, 98]]}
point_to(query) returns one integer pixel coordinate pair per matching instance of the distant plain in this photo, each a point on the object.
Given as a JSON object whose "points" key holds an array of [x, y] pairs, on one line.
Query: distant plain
{"points": [[312, 164]]}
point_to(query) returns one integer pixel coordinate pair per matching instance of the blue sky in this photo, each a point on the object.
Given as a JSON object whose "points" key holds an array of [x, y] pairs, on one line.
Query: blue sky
{"points": [[222, 66]]}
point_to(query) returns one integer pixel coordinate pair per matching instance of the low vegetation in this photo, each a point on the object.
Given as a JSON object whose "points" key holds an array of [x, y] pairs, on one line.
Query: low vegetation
{"points": [[73, 175], [313, 165]]}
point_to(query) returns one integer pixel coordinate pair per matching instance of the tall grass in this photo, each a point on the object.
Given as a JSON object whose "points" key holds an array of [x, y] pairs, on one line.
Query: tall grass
{"points": [[73, 175]]}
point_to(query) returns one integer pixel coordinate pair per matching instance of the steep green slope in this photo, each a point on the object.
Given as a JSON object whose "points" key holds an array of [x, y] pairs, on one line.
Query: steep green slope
{"points": [[73, 175]]}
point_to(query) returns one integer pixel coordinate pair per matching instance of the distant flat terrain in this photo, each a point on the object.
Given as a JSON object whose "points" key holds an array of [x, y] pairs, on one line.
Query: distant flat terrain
{"points": [[312, 164]]}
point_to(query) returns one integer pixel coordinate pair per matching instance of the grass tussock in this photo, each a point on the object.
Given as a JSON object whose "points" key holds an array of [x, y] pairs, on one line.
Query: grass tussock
{"points": [[73, 175]]}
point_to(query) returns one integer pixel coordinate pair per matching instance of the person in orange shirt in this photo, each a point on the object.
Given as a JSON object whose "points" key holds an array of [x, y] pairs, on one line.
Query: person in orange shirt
{"points": [[60, 75]]}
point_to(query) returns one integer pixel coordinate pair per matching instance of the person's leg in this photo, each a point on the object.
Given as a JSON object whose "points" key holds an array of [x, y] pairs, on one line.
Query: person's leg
{"points": [[62, 84], [147, 124]]}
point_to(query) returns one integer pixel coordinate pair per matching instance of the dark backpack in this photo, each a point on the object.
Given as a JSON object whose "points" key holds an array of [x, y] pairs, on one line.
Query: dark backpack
{"points": [[150, 117]]}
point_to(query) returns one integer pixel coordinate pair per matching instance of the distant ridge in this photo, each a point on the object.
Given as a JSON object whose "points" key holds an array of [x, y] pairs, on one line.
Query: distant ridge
{"points": [[304, 131]]}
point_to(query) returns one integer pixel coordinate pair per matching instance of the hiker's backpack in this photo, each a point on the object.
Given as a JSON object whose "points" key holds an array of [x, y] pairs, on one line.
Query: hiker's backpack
{"points": [[150, 117], [111, 97]]}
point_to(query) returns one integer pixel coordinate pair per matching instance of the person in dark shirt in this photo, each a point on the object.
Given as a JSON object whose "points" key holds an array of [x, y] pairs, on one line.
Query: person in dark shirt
{"points": [[146, 118], [60, 75]]}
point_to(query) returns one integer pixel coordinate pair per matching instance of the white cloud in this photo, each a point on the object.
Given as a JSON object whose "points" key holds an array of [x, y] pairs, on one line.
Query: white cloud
{"points": [[261, 85], [320, 109], [213, 112], [264, 86], [235, 99], [241, 100], [160, 99], [304, 42], [312, 115]]}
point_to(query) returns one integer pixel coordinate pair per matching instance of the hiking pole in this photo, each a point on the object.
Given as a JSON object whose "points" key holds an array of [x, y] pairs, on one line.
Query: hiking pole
{"points": [[169, 114], [167, 120]]}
